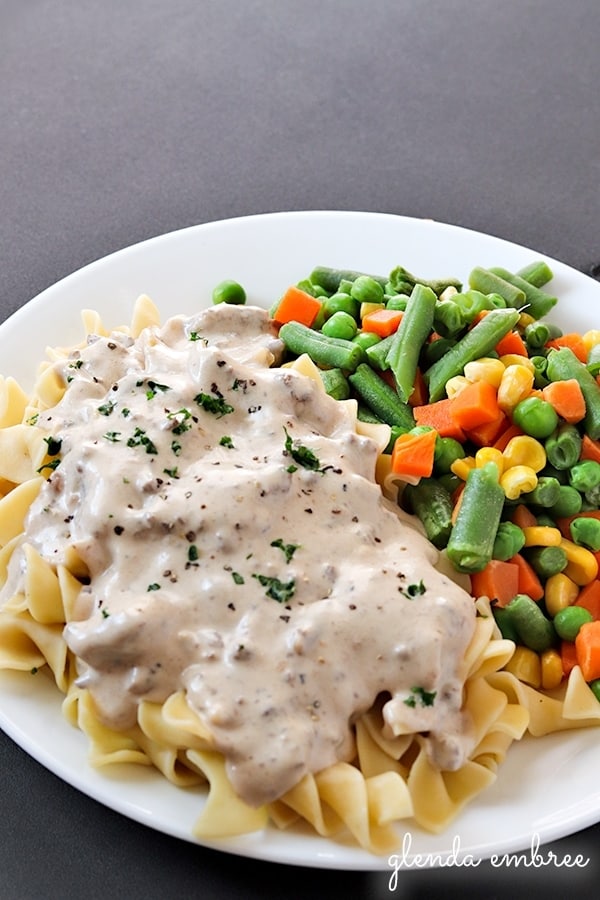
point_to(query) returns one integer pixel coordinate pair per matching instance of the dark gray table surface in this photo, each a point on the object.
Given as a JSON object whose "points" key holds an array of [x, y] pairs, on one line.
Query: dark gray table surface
{"points": [[123, 120]]}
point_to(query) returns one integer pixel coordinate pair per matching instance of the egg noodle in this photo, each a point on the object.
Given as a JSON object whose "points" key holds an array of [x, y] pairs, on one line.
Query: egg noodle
{"points": [[387, 778]]}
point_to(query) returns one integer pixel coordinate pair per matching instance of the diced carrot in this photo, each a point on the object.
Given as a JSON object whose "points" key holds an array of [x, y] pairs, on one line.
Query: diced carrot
{"points": [[499, 581], [478, 317], [487, 434], [573, 342], [297, 306], [413, 454], [507, 435], [437, 415], [590, 449], [589, 598], [529, 583], [382, 321], [523, 517], [568, 655], [567, 399], [457, 498], [420, 393], [511, 343], [476, 404], [587, 647]]}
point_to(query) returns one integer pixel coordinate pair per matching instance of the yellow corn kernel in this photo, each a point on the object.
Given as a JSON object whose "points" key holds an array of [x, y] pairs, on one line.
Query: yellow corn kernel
{"points": [[518, 480], [455, 385], [485, 369], [542, 536], [591, 338], [516, 384], [489, 454], [524, 320], [560, 591], [525, 665], [582, 566], [515, 359], [551, 669], [462, 467], [524, 450], [366, 308]]}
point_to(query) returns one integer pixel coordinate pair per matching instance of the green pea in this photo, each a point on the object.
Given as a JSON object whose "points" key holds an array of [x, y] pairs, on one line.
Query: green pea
{"points": [[585, 475], [585, 531], [366, 339], [509, 540], [341, 302], [569, 620], [340, 325], [447, 451], [595, 686], [229, 292], [536, 417], [366, 290], [396, 301]]}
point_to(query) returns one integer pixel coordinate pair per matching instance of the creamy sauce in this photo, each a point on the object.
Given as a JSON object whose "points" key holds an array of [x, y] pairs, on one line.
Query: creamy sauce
{"points": [[283, 599]]}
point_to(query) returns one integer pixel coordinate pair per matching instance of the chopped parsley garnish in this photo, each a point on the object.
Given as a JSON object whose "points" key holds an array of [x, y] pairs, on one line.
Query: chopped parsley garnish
{"points": [[106, 408], [181, 417], [226, 442], [153, 587], [54, 445], [193, 553], [32, 420], [140, 438], [113, 436], [173, 473], [53, 464], [239, 579], [415, 590], [154, 387], [105, 614], [218, 406], [287, 549], [301, 454], [276, 589], [420, 695], [176, 447], [125, 411]]}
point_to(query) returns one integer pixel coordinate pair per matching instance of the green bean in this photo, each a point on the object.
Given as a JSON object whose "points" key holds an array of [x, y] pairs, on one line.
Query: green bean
{"points": [[367, 415], [546, 521], [539, 371], [563, 365], [434, 350], [585, 532], [537, 273], [381, 398], [533, 628], [569, 620], [487, 282], [593, 360], [449, 318], [229, 292], [537, 334], [400, 277], [563, 447], [414, 329], [545, 493], [539, 303], [431, 502], [477, 342], [330, 279], [505, 624], [366, 339], [509, 540], [592, 497], [473, 302], [325, 351], [335, 383], [546, 561], [471, 542], [585, 475], [568, 503], [377, 354]]}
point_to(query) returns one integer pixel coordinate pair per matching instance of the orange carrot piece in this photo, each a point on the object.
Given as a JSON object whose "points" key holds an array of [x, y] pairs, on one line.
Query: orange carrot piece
{"points": [[487, 434], [437, 415], [523, 517], [382, 321], [568, 655], [508, 433], [413, 454], [587, 647], [420, 393], [499, 581], [529, 583], [590, 449], [457, 498], [567, 399], [589, 598], [475, 405], [573, 342], [297, 306], [511, 343]]}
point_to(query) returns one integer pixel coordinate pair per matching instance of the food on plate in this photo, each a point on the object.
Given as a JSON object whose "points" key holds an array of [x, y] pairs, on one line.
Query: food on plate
{"points": [[317, 557]]}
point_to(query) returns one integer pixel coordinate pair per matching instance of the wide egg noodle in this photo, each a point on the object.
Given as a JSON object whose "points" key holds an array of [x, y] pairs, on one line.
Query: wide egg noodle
{"points": [[391, 778]]}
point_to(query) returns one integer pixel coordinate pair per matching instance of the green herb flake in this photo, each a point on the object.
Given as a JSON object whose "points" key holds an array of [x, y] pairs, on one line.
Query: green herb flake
{"points": [[105, 614], [238, 579], [53, 464], [107, 408], [140, 438], [154, 387], [287, 549], [112, 436], [415, 590], [181, 418], [276, 589], [54, 445], [217, 406], [302, 455], [176, 447], [193, 553], [420, 695], [153, 587], [125, 411], [226, 441]]}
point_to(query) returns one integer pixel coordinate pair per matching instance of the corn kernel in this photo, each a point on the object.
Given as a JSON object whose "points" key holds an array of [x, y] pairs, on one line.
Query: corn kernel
{"points": [[518, 480], [489, 454], [455, 385], [525, 319], [591, 338], [367, 307], [515, 359], [525, 665], [516, 384], [542, 536], [524, 450], [560, 591], [462, 467], [582, 566], [551, 669], [485, 369]]}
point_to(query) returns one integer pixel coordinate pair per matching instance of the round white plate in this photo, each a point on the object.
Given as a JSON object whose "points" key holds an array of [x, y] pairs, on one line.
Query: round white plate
{"points": [[548, 787]]}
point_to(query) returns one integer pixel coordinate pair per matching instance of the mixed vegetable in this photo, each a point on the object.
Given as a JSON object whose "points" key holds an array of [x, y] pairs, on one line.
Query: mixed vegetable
{"points": [[495, 429]]}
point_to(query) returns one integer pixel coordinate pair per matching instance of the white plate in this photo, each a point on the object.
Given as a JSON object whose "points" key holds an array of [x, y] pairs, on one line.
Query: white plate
{"points": [[548, 787]]}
